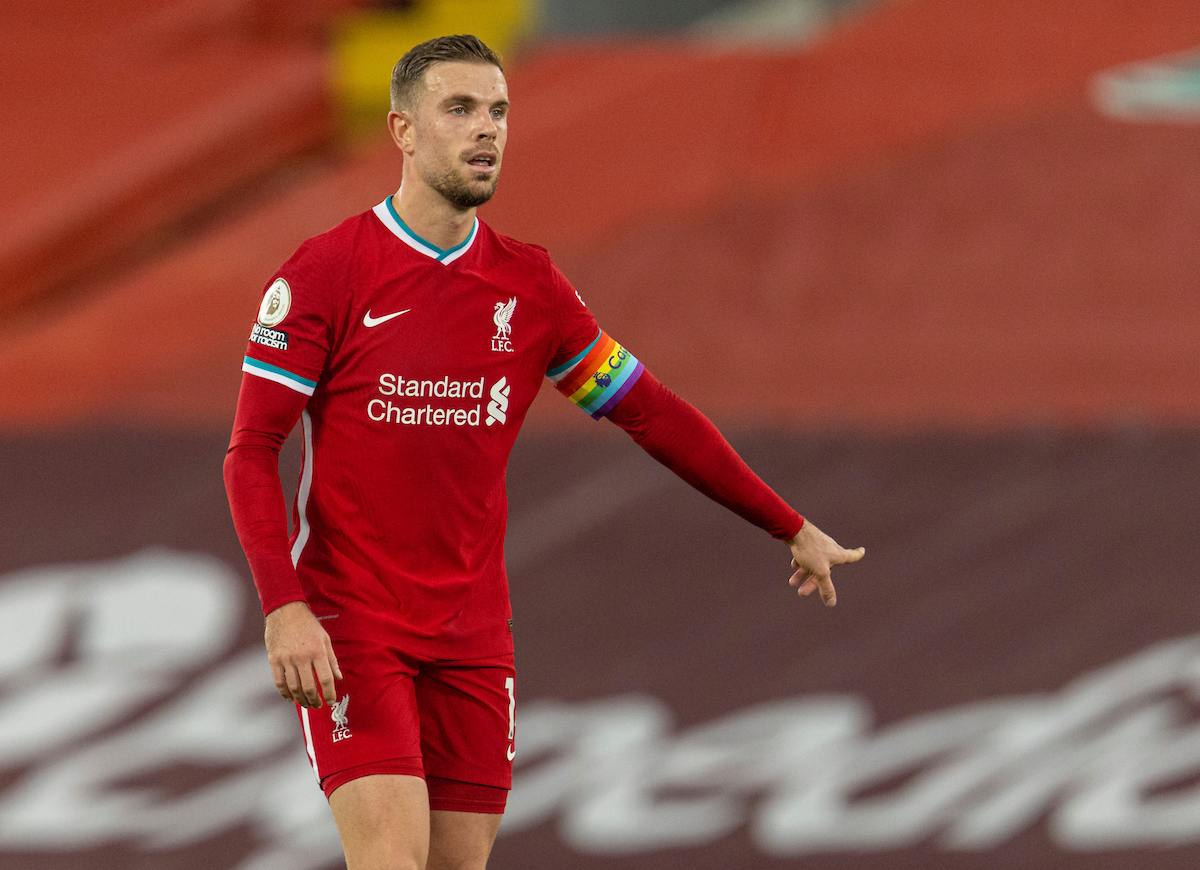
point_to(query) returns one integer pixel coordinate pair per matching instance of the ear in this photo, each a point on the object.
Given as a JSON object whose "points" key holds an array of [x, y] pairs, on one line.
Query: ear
{"points": [[401, 127]]}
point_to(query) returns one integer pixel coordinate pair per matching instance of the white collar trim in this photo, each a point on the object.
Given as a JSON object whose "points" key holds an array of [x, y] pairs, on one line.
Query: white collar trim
{"points": [[387, 215]]}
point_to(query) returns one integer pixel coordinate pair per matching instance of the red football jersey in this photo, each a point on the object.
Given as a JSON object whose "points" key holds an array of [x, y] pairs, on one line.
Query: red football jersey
{"points": [[420, 364]]}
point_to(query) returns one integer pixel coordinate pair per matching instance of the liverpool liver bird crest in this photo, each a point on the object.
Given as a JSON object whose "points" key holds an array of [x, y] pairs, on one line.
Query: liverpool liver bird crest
{"points": [[341, 727], [504, 313], [338, 712]]}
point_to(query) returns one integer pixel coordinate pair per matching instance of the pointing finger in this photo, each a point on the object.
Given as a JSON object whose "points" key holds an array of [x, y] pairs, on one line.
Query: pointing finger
{"points": [[828, 595]]}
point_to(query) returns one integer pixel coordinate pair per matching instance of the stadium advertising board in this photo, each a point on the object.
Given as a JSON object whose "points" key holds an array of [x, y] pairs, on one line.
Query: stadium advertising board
{"points": [[1031, 702]]}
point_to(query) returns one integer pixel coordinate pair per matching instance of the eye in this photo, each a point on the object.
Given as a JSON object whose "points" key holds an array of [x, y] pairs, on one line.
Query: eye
{"points": [[458, 110], [497, 113]]}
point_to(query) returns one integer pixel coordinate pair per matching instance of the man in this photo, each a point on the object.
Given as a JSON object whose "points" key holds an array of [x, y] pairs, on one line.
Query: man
{"points": [[411, 340]]}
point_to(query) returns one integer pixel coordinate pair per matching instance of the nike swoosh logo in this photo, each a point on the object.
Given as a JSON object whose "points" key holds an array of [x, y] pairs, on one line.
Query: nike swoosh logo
{"points": [[511, 752], [368, 320]]}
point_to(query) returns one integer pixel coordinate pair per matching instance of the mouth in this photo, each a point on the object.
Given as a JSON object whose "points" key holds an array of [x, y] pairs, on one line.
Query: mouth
{"points": [[484, 161]]}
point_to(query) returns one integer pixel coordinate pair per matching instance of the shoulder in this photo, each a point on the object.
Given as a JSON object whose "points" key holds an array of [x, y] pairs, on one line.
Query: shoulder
{"points": [[328, 262], [512, 251], [342, 238], [314, 276]]}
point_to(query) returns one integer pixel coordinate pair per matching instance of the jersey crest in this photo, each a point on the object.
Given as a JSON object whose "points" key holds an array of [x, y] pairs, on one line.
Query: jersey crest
{"points": [[502, 317], [341, 725]]}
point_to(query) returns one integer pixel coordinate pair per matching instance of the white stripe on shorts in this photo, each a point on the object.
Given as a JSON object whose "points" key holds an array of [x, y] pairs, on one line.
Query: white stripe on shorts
{"points": [[308, 743]]}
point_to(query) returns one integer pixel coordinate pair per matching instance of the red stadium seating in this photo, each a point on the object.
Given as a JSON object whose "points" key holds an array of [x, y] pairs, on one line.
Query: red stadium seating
{"points": [[129, 115], [919, 221]]}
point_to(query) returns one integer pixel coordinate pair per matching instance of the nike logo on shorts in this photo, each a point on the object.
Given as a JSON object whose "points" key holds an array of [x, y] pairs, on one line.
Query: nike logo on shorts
{"points": [[368, 320], [512, 753]]}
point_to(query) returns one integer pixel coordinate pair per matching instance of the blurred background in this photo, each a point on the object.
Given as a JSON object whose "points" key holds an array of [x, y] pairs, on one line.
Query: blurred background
{"points": [[931, 265]]}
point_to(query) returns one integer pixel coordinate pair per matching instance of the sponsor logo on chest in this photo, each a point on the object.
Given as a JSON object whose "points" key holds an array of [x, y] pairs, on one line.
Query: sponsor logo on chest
{"points": [[439, 402], [444, 397], [498, 406]]}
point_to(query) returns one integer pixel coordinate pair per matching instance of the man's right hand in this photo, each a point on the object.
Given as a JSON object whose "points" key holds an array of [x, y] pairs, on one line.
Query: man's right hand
{"points": [[301, 656]]}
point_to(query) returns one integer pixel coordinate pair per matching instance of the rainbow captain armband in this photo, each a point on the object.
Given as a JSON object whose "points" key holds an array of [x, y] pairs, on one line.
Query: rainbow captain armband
{"points": [[599, 377]]}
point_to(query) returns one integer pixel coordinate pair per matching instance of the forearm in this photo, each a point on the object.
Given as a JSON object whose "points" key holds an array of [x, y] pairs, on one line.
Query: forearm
{"points": [[252, 484], [685, 441]]}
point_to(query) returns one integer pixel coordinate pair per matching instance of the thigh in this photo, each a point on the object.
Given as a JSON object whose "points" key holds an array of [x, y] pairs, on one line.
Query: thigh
{"points": [[468, 730], [374, 727], [383, 821], [461, 841]]}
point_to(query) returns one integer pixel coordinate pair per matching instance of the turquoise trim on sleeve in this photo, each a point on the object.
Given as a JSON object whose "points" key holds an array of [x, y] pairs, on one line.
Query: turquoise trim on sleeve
{"points": [[558, 371], [267, 367]]}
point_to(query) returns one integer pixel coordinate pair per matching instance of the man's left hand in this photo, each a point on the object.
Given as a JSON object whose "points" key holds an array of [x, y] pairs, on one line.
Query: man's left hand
{"points": [[814, 554]]}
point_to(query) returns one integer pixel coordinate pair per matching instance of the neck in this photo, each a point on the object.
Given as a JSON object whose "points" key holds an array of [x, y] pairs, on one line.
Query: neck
{"points": [[430, 216]]}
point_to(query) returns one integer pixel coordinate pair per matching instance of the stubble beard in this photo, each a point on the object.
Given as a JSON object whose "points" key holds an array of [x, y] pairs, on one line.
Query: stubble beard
{"points": [[459, 193]]}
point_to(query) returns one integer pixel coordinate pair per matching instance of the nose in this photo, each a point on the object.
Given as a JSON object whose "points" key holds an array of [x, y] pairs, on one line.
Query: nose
{"points": [[487, 128]]}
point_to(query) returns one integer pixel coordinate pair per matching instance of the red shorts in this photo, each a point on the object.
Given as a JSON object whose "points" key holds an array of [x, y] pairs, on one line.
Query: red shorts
{"points": [[449, 722]]}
